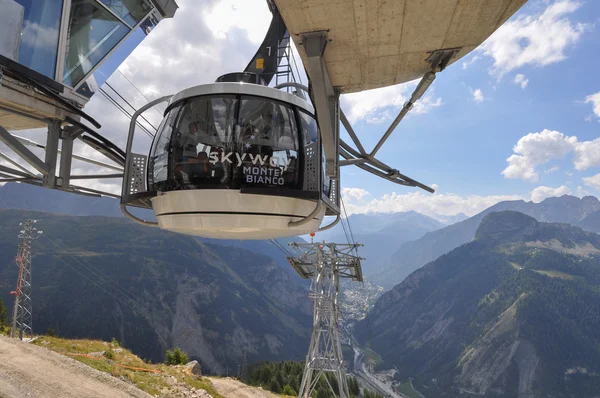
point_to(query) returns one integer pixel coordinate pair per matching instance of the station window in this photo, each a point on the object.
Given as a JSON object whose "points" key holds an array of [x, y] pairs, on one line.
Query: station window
{"points": [[39, 38], [93, 33], [129, 11]]}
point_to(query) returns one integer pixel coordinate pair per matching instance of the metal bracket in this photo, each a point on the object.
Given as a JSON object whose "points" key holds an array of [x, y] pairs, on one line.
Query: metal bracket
{"points": [[325, 97], [439, 59]]}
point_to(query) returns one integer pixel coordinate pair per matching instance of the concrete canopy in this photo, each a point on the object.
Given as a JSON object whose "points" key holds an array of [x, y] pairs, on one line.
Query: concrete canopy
{"points": [[378, 43]]}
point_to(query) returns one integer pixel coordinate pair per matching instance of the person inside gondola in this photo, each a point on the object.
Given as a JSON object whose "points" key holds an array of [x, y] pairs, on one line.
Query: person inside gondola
{"points": [[200, 168]]}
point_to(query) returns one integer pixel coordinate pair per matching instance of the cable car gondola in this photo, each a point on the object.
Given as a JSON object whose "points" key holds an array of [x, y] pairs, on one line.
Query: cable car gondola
{"points": [[233, 159]]}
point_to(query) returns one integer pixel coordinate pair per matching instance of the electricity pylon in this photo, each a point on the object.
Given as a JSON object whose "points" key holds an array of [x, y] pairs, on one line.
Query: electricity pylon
{"points": [[22, 319], [325, 264]]}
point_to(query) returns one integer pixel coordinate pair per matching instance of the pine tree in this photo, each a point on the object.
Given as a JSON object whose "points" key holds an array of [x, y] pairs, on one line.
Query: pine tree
{"points": [[288, 390], [3, 315]]}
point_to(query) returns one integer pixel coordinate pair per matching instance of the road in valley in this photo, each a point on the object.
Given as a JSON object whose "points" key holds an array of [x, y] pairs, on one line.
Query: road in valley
{"points": [[367, 378]]}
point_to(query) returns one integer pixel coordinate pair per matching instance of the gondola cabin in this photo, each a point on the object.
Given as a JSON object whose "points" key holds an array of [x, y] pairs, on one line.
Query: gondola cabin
{"points": [[235, 160]]}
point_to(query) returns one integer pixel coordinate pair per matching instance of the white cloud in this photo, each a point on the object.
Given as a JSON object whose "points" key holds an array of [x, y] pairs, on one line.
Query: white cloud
{"points": [[354, 194], [587, 154], [520, 79], [581, 192], [537, 40], [242, 14], [536, 149], [541, 193], [552, 169], [594, 99], [478, 95], [382, 104], [436, 205], [593, 181], [468, 63]]}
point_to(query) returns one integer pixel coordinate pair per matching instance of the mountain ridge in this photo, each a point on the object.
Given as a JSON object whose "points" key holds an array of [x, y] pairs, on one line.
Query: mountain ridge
{"points": [[414, 254]]}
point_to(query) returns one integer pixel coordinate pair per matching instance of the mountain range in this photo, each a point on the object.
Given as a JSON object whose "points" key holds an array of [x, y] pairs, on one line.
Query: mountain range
{"points": [[409, 256], [513, 313], [104, 277], [381, 234]]}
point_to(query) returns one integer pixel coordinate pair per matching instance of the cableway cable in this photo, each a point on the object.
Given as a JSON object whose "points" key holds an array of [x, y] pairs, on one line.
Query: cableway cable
{"points": [[128, 103], [138, 301], [124, 111], [138, 90], [139, 309]]}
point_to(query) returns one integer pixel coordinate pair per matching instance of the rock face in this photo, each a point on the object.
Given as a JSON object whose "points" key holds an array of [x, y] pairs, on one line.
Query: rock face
{"points": [[194, 368], [412, 255], [511, 314]]}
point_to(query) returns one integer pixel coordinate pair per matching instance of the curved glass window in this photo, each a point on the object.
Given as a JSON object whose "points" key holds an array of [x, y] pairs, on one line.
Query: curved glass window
{"points": [[228, 142], [158, 162], [267, 143]]}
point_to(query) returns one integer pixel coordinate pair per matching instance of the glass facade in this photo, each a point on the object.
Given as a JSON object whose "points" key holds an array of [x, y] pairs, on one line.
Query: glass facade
{"points": [[39, 38], [95, 27], [93, 32], [130, 11], [229, 142]]}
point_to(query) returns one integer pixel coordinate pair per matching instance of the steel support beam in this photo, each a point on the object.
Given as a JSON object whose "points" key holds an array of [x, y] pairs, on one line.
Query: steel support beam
{"points": [[423, 85], [51, 155], [352, 134], [325, 98], [20, 149], [8, 170], [8, 159], [94, 176], [69, 134]]}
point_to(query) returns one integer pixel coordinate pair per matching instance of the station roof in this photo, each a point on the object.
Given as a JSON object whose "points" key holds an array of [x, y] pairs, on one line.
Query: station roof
{"points": [[378, 43]]}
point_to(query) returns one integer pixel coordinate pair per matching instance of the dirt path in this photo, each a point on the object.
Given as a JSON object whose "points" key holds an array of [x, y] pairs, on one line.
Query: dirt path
{"points": [[31, 371], [233, 388]]}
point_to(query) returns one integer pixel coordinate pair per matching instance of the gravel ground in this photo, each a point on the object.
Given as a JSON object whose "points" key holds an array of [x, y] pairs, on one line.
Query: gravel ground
{"points": [[232, 388], [31, 371]]}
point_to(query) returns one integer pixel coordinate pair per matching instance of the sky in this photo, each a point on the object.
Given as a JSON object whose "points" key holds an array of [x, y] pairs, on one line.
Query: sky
{"points": [[517, 118]]}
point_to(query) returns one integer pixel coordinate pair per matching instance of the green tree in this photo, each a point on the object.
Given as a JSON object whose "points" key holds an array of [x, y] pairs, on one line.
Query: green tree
{"points": [[288, 390], [3, 315], [176, 357], [275, 386]]}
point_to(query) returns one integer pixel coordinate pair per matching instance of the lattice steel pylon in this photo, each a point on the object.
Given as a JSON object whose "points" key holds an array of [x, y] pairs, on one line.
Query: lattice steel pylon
{"points": [[22, 317], [325, 264]]}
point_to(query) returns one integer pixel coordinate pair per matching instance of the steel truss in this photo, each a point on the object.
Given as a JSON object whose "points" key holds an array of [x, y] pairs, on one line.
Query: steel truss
{"points": [[22, 317], [325, 264], [326, 99]]}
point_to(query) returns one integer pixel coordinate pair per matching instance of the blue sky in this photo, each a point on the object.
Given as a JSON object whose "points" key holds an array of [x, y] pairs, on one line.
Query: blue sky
{"points": [[458, 137], [463, 144]]}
